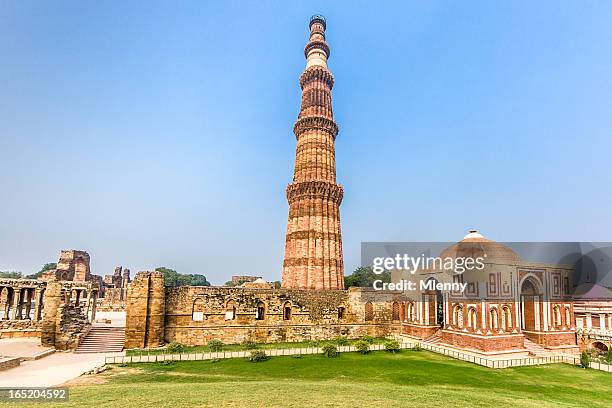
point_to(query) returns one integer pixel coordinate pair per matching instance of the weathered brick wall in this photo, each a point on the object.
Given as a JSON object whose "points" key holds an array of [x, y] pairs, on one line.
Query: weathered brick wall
{"points": [[113, 300], [314, 314], [20, 328], [71, 325], [145, 311]]}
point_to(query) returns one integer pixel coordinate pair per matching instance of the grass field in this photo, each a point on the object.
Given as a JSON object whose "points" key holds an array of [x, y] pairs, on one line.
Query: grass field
{"points": [[380, 379]]}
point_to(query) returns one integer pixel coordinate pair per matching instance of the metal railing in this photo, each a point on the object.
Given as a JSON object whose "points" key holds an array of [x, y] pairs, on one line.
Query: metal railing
{"points": [[458, 355]]}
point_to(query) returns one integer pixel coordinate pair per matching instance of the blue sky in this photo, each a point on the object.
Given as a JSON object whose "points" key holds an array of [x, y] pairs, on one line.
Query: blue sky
{"points": [[161, 133]]}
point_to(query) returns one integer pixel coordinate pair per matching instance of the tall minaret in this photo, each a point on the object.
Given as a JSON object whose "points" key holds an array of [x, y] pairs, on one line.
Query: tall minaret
{"points": [[313, 246]]}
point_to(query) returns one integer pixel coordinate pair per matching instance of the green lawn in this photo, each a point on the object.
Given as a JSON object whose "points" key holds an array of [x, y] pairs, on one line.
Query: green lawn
{"points": [[380, 379]]}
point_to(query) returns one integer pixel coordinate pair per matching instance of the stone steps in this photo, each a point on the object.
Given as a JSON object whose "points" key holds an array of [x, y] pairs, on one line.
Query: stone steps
{"points": [[103, 340], [536, 350], [434, 338]]}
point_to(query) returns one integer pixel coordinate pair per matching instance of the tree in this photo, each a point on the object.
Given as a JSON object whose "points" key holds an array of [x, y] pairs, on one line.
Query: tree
{"points": [[364, 277], [46, 267], [173, 278], [11, 275]]}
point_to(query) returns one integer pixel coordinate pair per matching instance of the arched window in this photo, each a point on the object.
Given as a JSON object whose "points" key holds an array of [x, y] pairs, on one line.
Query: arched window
{"points": [[506, 318], [493, 319], [230, 310], [458, 316], [472, 318], [340, 313], [395, 311], [287, 311], [568, 317], [369, 312], [261, 311], [197, 313]]}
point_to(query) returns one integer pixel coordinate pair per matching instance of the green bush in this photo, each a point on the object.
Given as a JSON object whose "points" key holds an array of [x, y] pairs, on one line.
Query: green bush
{"points": [[258, 356], [609, 357], [175, 348], [368, 339], [392, 346], [215, 345], [249, 344], [362, 347], [330, 350], [342, 341], [416, 347], [585, 360], [314, 343]]}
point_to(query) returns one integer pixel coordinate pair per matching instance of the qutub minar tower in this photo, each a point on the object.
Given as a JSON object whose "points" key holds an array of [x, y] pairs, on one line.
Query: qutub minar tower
{"points": [[313, 246]]}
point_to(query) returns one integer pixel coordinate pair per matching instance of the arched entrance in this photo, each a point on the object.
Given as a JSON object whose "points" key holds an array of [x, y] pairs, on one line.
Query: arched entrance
{"points": [[599, 346], [530, 296]]}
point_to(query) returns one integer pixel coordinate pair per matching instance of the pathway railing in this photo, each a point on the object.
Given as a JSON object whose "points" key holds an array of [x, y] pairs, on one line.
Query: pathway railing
{"points": [[471, 358]]}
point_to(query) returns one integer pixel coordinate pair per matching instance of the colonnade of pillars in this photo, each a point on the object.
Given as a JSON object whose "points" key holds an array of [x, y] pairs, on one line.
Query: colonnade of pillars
{"points": [[21, 303], [27, 303]]}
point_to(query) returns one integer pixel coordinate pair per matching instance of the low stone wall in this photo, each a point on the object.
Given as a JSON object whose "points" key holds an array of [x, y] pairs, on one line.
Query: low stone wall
{"points": [[505, 342], [9, 362], [552, 339], [20, 328]]}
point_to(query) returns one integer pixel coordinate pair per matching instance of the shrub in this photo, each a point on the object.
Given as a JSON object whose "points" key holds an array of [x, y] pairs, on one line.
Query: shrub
{"points": [[258, 356], [314, 343], [215, 345], [392, 346], [342, 341], [609, 357], [416, 347], [362, 347], [368, 339], [249, 344], [330, 350], [585, 360], [175, 348]]}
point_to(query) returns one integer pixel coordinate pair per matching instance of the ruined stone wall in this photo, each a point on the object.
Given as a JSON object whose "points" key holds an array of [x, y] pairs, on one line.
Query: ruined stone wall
{"points": [[20, 328], [145, 311], [71, 325], [113, 301], [194, 315]]}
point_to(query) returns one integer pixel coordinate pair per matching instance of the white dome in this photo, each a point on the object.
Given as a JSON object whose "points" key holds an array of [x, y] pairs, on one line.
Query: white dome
{"points": [[473, 234]]}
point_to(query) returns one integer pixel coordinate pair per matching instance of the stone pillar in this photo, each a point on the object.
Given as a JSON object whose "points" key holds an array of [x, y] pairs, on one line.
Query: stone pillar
{"points": [[145, 311], [17, 304], [94, 302], [28, 304], [53, 300], [38, 295], [602, 322], [7, 305]]}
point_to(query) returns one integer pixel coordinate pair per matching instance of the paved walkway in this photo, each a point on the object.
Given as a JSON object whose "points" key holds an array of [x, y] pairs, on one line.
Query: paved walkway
{"points": [[55, 369], [25, 348]]}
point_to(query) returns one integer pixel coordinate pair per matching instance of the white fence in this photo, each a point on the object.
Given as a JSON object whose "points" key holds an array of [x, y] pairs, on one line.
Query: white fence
{"points": [[483, 361]]}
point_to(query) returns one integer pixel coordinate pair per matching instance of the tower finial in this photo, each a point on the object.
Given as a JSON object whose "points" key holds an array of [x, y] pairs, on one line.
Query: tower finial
{"points": [[318, 18]]}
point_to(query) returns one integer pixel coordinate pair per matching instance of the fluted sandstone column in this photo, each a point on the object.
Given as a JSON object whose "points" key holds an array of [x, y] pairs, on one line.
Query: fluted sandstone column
{"points": [[313, 246]]}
